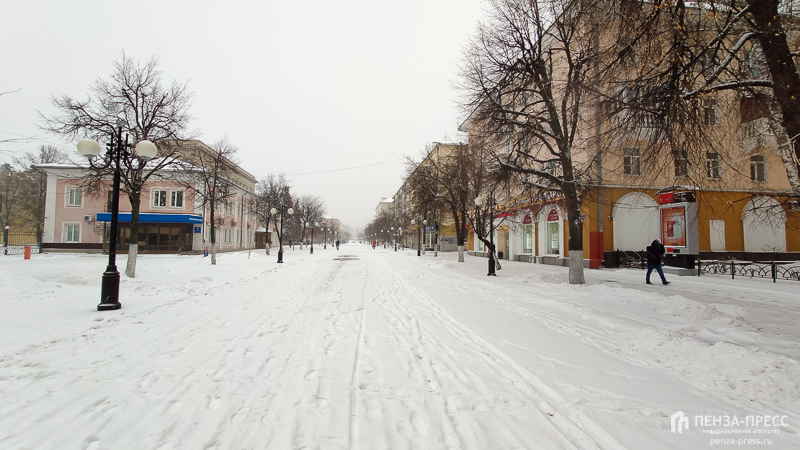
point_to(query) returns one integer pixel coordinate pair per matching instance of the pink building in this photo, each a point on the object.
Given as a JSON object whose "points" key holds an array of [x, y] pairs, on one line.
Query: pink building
{"points": [[171, 219]]}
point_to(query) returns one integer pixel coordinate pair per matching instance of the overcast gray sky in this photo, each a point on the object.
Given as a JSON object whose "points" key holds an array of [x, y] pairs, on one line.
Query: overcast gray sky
{"points": [[299, 86]]}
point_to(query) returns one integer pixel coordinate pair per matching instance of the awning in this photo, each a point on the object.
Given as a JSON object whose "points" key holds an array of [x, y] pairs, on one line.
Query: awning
{"points": [[152, 218]]}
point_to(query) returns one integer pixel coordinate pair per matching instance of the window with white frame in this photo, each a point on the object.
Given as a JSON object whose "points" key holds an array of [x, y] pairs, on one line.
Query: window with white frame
{"points": [[159, 198], [631, 161], [713, 166], [74, 196], [72, 232], [758, 168], [176, 199]]}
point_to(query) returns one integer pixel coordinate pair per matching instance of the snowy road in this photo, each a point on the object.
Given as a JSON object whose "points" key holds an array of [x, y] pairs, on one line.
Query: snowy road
{"points": [[376, 349]]}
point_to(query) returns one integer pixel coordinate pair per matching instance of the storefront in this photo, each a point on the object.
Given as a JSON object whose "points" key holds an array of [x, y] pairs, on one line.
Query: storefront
{"points": [[157, 232]]}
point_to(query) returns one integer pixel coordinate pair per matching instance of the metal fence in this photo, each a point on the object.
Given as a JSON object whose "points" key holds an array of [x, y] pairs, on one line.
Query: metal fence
{"points": [[777, 270], [17, 241]]}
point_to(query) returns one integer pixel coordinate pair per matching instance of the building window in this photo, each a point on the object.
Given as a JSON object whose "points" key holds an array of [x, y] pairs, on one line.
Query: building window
{"points": [[527, 239], [710, 112], [72, 233], [631, 161], [758, 168], [682, 164], [713, 166], [159, 199], [176, 199], [74, 196]]}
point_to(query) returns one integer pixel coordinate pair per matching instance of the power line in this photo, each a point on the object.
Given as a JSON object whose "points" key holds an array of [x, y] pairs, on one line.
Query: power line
{"points": [[346, 168]]}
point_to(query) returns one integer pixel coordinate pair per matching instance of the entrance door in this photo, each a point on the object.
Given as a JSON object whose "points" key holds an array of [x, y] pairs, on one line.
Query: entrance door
{"points": [[552, 237]]}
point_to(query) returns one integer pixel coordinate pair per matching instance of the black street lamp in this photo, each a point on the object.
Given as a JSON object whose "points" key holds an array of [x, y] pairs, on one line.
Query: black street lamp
{"points": [[479, 203], [313, 224], [394, 238], [283, 211], [109, 290], [5, 239]]}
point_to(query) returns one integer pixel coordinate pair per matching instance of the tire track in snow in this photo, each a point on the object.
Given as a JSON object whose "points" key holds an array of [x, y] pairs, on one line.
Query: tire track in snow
{"points": [[354, 396]]}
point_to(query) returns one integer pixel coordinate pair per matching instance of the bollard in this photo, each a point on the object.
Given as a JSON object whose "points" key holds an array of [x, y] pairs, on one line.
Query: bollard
{"points": [[27, 252]]}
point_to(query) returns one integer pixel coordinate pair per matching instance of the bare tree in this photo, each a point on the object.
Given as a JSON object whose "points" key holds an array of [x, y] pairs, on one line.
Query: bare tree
{"points": [[36, 182], [739, 52], [441, 180], [210, 174], [527, 78], [271, 190], [135, 100], [310, 211]]}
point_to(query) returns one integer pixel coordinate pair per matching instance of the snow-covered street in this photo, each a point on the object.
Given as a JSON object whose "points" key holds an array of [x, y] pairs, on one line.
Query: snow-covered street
{"points": [[377, 349]]}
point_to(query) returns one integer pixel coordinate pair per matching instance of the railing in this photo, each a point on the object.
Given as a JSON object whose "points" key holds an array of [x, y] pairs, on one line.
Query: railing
{"points": [[19, 249], [631, 259], [777, 270]]}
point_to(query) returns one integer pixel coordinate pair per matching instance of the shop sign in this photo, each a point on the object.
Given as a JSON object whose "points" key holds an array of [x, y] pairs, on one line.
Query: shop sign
{"points": [[552, 216]]}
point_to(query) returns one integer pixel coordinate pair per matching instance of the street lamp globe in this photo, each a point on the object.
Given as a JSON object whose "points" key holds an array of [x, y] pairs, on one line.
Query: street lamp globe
{"points": [[89, 148], [146, 150], [478, 202], [290, 211], [273, 211]]}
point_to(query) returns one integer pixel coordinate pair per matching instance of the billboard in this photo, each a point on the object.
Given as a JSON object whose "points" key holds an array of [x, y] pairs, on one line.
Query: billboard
{"points": [[679, 228]]}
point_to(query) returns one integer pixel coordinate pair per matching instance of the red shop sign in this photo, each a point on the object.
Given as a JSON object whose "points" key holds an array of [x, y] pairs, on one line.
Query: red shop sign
{"points": [[527, 219], [552, 216]]}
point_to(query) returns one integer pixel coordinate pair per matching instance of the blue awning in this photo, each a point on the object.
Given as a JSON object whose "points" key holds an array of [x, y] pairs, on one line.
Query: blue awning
{"points": [[152, 218]]}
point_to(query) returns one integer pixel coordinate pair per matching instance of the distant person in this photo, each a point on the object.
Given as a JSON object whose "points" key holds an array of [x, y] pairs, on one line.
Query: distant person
{"points": [[337, 244], [205, 248], [374, 243], [655, 251]]}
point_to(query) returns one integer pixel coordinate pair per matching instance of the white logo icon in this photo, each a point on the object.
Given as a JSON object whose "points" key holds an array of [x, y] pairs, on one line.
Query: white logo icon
{"points": [[679, 422]]}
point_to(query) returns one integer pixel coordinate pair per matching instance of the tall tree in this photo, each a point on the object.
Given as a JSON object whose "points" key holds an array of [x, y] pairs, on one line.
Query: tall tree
{"points": [[441, 180], [310, 210], [270, 191], [135, 99], [743, 52], [210, 174], [525, 83], [36, 182]]}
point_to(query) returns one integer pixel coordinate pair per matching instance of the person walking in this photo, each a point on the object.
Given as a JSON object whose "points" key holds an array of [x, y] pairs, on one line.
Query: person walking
{"points": [[655, 251], [205, 248]]}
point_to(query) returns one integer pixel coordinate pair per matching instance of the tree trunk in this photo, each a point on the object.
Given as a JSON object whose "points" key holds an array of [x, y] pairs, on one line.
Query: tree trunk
{"points": [[785, 78], [212, 237], [460, 253], [575, 243], [133, 243]]}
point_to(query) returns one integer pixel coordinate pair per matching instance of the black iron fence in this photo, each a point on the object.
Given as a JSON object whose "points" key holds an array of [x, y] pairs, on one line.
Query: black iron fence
{"points": [[777, 270]]}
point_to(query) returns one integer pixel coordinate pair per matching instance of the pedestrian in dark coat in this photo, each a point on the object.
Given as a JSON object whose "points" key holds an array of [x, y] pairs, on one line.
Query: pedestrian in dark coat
{"points": [[654, 253]]}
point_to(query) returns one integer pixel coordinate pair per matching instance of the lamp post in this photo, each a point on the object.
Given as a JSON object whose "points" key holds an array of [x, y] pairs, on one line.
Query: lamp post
{"points": [[423, 234], [479, 203], [5, 239], [274, 211], [109, 290], [313, 224], [394, 238]]}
